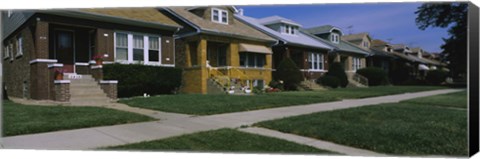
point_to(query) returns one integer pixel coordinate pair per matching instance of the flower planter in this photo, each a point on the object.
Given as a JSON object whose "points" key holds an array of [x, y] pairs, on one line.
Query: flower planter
{"points": [[248, 91], [59, 76], [98, 62], [231, 91]]}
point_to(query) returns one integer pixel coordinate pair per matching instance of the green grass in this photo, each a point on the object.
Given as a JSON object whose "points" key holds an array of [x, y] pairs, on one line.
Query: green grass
{"points": [[397, 128], [21, 119], [457, 100], [222, 140], [216, 104]]}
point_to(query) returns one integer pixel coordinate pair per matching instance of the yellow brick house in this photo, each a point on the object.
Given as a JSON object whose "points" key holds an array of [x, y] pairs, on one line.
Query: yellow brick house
{"points": [[217, 52]]}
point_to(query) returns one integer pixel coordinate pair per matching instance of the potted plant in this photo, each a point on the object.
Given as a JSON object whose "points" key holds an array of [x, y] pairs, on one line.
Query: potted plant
{"points": [[98, 59], [59, 74]]}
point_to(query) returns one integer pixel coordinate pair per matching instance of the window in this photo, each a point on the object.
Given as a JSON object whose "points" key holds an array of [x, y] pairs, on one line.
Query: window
{"points": [[219, 16], [254, 60], [356, 63], [5, 52], [19, 46], [288, 29], [10, 48], [315, 61], [365, 44], [137, 48], [335, 38], [258, 83]]}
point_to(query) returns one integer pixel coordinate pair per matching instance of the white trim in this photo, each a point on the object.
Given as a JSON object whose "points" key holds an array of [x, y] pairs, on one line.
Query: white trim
{"points": [[310, 70], [96, 67], [81, 63], [55, 65], [44, 61], [220, 16], [108, 81], [61, 81]]}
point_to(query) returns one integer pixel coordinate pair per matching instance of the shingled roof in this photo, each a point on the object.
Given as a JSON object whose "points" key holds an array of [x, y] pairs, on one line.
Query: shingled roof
{"points": [[321, 29], [300, 39], [235, 29], [355, 38], [151, 15]]}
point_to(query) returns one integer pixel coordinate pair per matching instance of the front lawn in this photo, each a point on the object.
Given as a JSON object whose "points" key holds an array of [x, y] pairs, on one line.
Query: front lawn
{"points": [[216, 104], [223, 140], [457, 100], [21, 119], [397, 128]]}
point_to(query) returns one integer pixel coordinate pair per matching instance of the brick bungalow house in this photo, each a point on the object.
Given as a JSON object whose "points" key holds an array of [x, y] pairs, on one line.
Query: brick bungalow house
{"points": [[218, 52], [350, 55], [308, 53], [38, 42]]}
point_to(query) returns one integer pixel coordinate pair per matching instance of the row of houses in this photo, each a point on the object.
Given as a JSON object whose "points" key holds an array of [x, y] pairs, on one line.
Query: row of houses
{"points": [[213, 46]]}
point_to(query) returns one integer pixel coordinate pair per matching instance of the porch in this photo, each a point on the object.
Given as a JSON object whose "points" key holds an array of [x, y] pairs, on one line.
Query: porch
{"points": [[225, 63]]}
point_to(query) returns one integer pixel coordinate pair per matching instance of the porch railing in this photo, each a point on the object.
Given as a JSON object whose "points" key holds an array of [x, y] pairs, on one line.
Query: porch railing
{"points": [[360, 79], [219, 77]]}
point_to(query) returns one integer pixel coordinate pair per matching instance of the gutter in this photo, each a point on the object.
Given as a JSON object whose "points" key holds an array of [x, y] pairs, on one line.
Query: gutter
{"points": [[197, 28], [108, 18]]}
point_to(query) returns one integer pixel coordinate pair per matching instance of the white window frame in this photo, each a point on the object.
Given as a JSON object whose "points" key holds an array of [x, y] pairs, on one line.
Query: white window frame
{"points": [[288, 29], [335, 38], [365, 44], [6, 52], [356, 63], [255, 58], [316, 58], [146, 38], [220, 16], [19, 46], [11, 52]]}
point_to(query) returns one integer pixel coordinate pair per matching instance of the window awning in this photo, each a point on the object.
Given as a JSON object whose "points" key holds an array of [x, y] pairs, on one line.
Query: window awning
{"points": [[254, 48], [423, 67]]}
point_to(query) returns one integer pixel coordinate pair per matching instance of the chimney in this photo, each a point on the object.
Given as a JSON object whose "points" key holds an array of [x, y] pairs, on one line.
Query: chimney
{"points": [[240, 11]]}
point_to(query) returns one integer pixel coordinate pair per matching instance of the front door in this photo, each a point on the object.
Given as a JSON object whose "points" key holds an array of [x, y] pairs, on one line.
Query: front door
{"points": [[64, 49]]}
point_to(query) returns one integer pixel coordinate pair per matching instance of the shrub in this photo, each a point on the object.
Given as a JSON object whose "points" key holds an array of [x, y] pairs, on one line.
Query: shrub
{"points": [[276, 85], [436, 77], [400, 74], [258, 90], [336, 69], [376, 76], [328, 80], [289, 73], [135, 79]]}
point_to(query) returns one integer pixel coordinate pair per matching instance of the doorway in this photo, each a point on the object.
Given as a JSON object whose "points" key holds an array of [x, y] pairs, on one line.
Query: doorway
{"points": [[65, 49]]}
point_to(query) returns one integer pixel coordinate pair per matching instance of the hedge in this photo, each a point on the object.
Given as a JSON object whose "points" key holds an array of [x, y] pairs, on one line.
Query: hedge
{"points": [[376, 76], [136, 79], [336, 69], [329, 81], [289, 73], [436, 77]]}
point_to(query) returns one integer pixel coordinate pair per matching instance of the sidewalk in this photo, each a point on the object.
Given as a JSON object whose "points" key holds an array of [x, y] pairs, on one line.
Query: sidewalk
{"points": [[91, 138]]}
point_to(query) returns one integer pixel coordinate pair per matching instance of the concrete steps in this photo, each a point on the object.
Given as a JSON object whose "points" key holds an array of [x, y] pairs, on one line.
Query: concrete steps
{"points": [[85, 91]]}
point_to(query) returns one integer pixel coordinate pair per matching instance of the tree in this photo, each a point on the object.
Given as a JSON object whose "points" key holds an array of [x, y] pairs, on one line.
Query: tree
{"points": [[336, 69], [453, 15], [289, 73]]}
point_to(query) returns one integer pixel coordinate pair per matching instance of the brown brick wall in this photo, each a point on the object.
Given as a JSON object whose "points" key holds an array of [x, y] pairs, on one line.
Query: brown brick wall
{"points": [[62, 92], [167, 50], [97, 73], [105, 44], [41, 40], [16, 70], [110, 89]]}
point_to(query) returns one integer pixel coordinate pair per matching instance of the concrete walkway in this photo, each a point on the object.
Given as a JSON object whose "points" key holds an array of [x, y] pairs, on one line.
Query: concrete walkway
{"points": [[324, 145], [91, 138]]}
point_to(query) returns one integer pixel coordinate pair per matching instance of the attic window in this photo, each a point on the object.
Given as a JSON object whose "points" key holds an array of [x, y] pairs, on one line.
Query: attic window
{"points": [[335, 38], [365, 44], [219, 16], [289, 30]]}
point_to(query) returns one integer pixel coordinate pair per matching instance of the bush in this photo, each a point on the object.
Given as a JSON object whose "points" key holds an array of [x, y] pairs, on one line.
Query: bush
{"points": [[336, 69], [135, 79], [376, 76], [289, 73], [436, 77], [330, 81], [400, 74], [276, 85]]}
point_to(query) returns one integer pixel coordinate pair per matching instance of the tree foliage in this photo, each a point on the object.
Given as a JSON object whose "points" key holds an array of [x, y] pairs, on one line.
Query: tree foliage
{"points": [[289, 73], [454, 16]]}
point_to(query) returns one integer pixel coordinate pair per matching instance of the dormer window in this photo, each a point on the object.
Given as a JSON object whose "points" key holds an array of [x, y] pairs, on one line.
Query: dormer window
{"points": [[219, 16], [9, 13], [365, 44], [335, 38], [289, 29]]}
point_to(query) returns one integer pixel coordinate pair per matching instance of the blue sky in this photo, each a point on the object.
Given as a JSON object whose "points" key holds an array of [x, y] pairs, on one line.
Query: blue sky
{"points": [[394, 21]]}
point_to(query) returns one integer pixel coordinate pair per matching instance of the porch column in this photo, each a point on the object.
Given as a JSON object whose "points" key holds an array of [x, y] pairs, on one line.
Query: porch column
{"points": [[349, 63], [41, 41], [202, 62], [268, 65], [188, 58], [233, 57], [363, 62], [336, 58]]}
